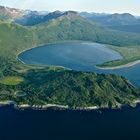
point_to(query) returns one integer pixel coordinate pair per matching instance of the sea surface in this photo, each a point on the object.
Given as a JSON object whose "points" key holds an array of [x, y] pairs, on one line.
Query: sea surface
{"points": [[122, 124], [108, 124]]}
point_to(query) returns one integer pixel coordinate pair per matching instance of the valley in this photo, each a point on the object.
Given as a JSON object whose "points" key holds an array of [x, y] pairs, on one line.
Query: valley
{"points": [[40, 85]]}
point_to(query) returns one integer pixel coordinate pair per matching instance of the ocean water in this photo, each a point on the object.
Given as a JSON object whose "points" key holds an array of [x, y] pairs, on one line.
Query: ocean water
{"points": [[106, 124]]}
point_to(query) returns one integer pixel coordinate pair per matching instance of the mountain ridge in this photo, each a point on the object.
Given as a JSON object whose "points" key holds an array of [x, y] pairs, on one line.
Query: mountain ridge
{"points": [[30, 18], [111, 19], [10, 13]]}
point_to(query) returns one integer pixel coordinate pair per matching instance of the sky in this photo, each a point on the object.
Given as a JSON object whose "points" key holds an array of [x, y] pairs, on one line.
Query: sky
{"points": [[105, 6]]}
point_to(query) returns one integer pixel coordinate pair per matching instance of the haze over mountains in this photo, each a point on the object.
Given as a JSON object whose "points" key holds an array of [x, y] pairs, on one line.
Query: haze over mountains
{"points": [[122, 22], [29, 18], [112, 19]]}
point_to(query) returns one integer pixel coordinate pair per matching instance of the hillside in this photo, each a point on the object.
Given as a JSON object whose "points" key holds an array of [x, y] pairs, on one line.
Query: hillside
{"points": [[111, 19], [14, 38], [34, 18], [127, 28], [59, 26], [71, 26], [40, 86], [75, 89]]}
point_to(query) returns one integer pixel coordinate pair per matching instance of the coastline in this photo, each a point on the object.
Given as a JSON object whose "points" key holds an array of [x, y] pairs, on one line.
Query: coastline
{"points": [[54, 106], [47, 106], [64, 107], [128, 65]]}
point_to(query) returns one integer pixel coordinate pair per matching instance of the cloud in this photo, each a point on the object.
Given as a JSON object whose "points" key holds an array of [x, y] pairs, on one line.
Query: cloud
{"points": [[110, 6]]}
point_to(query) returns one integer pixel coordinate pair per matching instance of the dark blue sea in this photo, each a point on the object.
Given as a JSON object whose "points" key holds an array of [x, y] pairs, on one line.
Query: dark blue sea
{"points": [[53, 124]]}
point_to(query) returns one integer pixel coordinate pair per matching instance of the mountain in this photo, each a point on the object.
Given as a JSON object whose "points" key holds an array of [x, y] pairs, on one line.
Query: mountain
{"points": [[60, 26], [134, 28], [122, 19], [112, 19], [92, 15], [68, 26], [71, 26], [34, 18], [10, 13], [30, 18]]}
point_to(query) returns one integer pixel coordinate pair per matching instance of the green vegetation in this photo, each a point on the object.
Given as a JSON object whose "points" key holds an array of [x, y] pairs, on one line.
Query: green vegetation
{"points": [[75, 89], [39, 86], [11, 80], [14, 38], [130, 54], [127, 28], [81, 29]]}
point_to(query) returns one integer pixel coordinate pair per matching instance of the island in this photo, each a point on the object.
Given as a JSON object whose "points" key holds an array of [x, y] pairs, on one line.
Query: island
{"points": [[44, 86]]}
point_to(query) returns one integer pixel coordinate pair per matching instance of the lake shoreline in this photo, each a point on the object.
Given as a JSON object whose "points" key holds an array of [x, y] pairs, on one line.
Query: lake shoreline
{"points": [[41, 45], [45, 107], [128, 65], [57, 42]]}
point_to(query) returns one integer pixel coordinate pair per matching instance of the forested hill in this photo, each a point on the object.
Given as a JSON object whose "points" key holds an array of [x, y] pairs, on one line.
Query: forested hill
{"points": [[75, 89]]}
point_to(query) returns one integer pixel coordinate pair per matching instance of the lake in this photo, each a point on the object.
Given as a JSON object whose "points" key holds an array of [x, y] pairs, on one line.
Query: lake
{"points": [[80, 56]]}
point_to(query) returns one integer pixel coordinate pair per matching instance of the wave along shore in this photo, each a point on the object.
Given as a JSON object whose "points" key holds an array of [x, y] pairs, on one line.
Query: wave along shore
{"points": [[47, 106]]}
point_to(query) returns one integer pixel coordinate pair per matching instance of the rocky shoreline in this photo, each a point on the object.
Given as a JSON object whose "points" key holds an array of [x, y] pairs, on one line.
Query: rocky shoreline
{"points": [[62, 107]]}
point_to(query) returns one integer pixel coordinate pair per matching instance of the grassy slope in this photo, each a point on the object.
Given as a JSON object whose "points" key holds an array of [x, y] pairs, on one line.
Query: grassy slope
{"points": [[14, 38], [127, 28], [40, 85], [11, 80], [81, 29]]}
